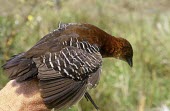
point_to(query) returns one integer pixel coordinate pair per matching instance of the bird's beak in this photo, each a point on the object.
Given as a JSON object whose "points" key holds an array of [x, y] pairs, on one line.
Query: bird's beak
{"points": [[130, 62]]}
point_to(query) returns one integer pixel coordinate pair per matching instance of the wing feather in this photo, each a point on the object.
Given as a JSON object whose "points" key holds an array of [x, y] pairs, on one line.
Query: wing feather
{"points": [[64, 86], [62, 95]]}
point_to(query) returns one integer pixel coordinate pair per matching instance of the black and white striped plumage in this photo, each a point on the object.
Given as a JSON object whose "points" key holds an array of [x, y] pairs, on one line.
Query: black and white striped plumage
{"points": [[65, 63]]}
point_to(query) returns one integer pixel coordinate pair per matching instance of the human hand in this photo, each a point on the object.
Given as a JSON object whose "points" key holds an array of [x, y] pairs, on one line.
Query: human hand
{"points": [[21, 97]]}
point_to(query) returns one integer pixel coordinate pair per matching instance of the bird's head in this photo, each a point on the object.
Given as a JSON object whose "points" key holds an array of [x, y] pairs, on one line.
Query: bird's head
{"points": [[118, 48], [123, 50]]}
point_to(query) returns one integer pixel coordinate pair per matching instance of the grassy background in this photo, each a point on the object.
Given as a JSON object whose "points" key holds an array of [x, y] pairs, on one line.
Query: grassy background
{"points": [[146, 24]]}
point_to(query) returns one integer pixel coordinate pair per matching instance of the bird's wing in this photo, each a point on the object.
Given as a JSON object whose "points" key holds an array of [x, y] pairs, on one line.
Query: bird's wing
{"points": [[65, 35], [64, 76], [52, 42]]}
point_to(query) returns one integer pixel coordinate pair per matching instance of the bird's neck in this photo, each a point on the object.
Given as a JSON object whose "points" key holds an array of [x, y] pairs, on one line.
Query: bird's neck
{"points": [[109, 46]]}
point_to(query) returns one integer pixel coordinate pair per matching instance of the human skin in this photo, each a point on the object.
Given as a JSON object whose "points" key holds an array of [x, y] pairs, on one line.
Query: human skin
{"points": [[21, 97]]}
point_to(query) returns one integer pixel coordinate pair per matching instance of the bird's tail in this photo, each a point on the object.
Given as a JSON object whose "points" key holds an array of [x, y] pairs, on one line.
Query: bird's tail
{"points": [[20, 68]]}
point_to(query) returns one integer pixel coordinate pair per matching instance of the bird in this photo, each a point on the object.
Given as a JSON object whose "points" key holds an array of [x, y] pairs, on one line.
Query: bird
{"points": [[67, 62]]}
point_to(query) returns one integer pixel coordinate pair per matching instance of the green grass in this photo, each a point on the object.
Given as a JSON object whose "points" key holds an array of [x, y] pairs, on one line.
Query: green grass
{"points": [[146, 24]]}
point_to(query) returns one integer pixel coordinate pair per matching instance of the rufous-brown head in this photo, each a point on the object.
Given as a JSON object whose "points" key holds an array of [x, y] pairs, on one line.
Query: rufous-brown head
{"points": [[119, 48], [123, 51]]}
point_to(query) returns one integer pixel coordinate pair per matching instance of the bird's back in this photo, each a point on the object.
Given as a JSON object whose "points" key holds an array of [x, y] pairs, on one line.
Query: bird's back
{"points": [[54, 41]]}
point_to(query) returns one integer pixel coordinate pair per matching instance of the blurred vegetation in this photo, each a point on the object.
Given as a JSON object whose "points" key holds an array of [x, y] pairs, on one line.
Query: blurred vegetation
{"points": [[146, 24]]}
